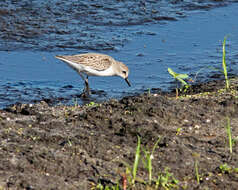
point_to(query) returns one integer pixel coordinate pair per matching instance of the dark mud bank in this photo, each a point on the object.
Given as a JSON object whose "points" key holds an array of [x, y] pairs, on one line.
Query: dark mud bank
{"points": [[75, 147]]}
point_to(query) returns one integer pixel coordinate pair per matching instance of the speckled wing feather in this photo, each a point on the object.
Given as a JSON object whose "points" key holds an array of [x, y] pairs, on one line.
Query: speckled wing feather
{"points": [[95, 61]]}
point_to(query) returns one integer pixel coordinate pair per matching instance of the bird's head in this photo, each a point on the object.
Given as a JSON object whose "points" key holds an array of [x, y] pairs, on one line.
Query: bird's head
{"points": [[123, 72]]}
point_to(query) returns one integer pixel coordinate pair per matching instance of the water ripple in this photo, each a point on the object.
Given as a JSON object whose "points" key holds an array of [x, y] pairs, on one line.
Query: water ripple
{"points": [[89, 25]]}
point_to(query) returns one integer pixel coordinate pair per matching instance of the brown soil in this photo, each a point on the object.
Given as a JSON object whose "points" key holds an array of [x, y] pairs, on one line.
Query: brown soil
{"points": [[78, 147]]}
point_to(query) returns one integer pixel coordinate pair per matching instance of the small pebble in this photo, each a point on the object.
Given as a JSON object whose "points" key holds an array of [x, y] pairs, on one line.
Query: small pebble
{"points": [[185, 120], [208, 120], [197, 127]]}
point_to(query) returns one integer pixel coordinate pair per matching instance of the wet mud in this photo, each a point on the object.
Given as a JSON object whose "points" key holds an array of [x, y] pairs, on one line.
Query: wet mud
{"points": [[78, 147]]}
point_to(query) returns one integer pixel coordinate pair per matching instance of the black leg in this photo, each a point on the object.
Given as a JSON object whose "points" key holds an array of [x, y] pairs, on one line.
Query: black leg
{"points": [[86, 90]]}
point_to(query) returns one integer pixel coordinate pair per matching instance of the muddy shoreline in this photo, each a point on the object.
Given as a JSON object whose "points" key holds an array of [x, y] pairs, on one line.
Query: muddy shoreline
{"points": [[78, 147]]}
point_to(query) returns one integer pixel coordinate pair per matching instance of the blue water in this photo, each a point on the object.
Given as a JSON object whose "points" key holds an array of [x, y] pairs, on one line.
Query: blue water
{"points": [[186, 45]]}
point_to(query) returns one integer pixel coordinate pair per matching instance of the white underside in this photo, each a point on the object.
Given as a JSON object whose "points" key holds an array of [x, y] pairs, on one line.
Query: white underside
{"points": [[87, 70]]}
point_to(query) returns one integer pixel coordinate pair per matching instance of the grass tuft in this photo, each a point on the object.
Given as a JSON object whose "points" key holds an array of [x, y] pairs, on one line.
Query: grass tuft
{"points": [[180, 78]]}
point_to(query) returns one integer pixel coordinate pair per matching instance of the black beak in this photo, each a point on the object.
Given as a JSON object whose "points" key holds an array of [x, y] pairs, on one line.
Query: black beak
{"points": [[127, 81]]}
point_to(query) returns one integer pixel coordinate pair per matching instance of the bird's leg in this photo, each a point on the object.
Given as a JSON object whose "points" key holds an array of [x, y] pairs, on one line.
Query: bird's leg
{"points": [[86, 90]]}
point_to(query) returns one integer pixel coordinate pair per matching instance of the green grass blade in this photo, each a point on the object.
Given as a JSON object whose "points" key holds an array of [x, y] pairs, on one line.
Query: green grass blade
{"points": [[136, 162], [228, 129], [196, 172], [148, 164], [171, 72], [224, 63], [178, 76], [154, 147], [182, 76], [148, 161], [182, 81]]}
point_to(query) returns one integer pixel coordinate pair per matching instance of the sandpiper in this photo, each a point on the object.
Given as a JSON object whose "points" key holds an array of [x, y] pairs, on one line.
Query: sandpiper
{"points": [[95, 64]]}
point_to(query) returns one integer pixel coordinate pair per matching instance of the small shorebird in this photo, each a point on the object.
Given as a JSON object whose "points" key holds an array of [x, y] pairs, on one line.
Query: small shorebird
{"points": [[94, 64]]}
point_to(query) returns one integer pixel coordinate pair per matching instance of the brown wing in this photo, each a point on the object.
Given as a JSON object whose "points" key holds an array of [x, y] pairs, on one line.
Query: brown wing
{"points": [[95, 61]]}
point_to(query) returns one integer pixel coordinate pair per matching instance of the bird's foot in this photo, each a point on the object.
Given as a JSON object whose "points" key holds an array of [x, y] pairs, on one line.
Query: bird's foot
{"points": [[86, 92], [84, 95]]}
